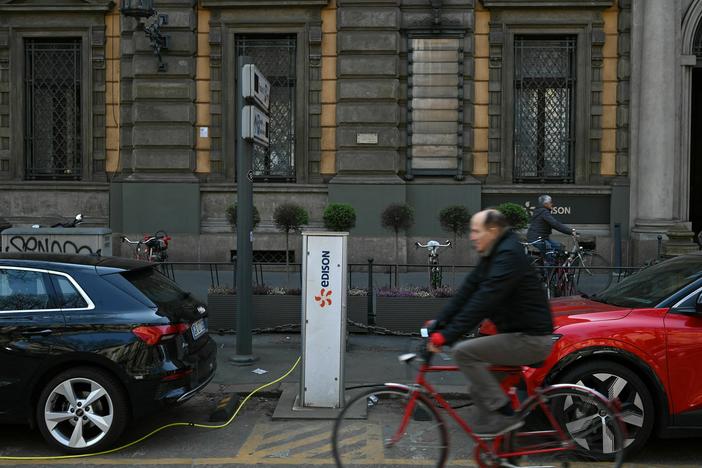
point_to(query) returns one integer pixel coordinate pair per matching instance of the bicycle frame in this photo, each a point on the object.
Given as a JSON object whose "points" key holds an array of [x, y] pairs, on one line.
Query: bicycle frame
{"points": [[493, 445]]}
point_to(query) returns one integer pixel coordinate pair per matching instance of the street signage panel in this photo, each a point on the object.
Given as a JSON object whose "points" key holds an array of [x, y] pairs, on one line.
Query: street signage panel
{"points": [[255, 125], [323, 319], [570, 208], [255, 86]]}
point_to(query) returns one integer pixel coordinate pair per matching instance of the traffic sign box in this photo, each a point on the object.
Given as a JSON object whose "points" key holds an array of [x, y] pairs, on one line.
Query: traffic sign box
{"points": [[255, 86], [255, 125]]}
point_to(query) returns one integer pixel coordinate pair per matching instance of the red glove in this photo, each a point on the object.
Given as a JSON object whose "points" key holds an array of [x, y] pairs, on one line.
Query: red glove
{"points": [[437, 339]]}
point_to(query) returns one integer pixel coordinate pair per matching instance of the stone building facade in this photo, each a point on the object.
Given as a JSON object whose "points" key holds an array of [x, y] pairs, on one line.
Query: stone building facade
{"points": [[426, 102]]}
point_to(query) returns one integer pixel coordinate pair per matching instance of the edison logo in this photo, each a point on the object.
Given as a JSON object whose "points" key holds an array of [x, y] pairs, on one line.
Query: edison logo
{"points": [[324, 298]]}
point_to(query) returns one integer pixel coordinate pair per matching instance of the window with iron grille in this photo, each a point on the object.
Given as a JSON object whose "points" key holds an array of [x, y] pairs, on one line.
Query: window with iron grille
{"points": [[274, 56], [52, 130], [544, 109]]}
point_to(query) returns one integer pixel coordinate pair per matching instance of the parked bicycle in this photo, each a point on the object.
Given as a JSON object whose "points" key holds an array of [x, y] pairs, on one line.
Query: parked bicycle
{"points": [[152, 248], [562, 270], [435, 275], [563, 423]]}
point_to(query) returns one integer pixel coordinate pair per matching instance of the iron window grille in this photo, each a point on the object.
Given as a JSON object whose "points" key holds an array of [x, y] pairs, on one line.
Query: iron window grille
{"points": [[544, 109], [274, 56], [53, 133]]}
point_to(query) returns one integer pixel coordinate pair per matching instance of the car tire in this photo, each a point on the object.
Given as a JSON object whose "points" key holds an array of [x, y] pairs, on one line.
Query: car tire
{"points": [[82, 410], [614, 380]]}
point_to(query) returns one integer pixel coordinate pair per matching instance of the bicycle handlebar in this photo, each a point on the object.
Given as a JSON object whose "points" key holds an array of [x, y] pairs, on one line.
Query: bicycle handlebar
{"points": [[433, 244]]}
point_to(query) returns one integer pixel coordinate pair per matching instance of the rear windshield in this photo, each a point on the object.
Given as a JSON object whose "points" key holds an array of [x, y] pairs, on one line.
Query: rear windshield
{"points": [[156, 286]]}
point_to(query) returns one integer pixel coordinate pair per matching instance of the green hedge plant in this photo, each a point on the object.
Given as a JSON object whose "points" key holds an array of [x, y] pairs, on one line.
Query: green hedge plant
{"points": [[397, 217], [231, 216], [339, 217], [516, 215], [289, 217]]}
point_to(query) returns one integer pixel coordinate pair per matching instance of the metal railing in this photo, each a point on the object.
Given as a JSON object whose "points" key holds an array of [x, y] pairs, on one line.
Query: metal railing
{"points": [[200, 277]]}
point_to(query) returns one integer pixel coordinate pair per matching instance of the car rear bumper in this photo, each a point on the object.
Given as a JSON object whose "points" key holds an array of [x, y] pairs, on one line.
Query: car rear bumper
{"points": [[163, 389], [188, 395]]}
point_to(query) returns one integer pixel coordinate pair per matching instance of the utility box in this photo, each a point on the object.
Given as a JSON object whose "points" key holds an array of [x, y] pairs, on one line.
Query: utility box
{"points": [[323, 319], [59, 240]]}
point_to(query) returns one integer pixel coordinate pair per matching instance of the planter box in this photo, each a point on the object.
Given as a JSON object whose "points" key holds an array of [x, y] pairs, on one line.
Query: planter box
{"points": [[357, 310], [407, 314], [268, 311], [273, 311]]}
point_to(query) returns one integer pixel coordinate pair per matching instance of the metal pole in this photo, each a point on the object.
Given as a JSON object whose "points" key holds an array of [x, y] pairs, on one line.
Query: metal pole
{"points": [[369, 312], [618, 247], [658, 247], [244, 231]]}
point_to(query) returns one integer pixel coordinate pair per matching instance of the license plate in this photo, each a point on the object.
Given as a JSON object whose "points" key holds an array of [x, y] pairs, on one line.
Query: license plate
{"points": [[198, 328]]}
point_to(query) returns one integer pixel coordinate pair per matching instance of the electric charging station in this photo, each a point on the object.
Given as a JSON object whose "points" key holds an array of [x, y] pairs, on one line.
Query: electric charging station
{"points": [[324, 271]]}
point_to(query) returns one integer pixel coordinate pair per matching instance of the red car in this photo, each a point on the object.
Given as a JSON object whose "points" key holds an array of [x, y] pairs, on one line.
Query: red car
{"points": [[640, 341]]}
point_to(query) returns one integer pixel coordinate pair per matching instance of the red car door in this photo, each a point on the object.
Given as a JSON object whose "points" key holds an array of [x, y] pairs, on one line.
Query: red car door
{"points": [[683, 329]]}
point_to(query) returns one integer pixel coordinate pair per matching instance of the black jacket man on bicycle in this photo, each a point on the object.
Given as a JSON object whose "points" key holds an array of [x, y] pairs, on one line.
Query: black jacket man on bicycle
{"points": [[505, 289], [541, 224]]}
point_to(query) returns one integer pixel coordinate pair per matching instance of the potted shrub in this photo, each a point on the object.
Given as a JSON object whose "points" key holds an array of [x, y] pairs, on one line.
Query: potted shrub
{"points": [[456, 220], [516, 215], [289, 217], [339, 217], [231, 216], [397, 217]]}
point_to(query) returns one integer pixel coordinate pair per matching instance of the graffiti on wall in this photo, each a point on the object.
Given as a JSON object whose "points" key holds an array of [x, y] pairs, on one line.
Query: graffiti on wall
{"points": [[20, 243]]}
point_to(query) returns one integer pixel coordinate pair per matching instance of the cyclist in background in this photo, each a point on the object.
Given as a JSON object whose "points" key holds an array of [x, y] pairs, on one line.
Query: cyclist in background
{"points": [[540, 226], [504, 288]]}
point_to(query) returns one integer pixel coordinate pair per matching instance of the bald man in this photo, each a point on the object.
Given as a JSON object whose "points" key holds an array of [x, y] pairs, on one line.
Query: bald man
{"points": [[505, 289]]}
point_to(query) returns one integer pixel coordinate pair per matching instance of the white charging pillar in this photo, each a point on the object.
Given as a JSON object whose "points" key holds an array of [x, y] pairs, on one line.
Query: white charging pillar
{"points": [[324, 270]]}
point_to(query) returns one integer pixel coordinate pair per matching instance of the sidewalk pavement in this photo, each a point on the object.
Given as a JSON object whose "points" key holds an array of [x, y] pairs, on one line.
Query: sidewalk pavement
{"points": [[368, 359]]}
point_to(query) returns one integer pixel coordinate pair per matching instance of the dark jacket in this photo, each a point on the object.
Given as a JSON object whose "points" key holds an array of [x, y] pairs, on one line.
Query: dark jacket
{"points": [[541, 223], [504, 288]]}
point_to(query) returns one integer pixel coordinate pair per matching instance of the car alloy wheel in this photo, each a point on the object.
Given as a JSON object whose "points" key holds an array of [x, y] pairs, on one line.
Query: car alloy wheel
{"points": [[615, 381], [82, 410]]}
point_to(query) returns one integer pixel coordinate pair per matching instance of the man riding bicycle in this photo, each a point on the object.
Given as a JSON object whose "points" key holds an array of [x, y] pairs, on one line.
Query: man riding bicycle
{"points": [[540, 226], [505, 289]]}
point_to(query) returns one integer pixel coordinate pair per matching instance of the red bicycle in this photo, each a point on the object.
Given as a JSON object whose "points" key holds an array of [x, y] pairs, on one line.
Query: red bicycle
{"points": [[150, 248], [393, 423]]}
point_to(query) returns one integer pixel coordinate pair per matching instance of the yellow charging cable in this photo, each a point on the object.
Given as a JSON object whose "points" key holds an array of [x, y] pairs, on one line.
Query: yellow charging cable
{"points": [[167, 426]]}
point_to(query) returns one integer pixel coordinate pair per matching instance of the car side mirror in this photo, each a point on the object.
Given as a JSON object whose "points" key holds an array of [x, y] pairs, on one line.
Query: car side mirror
{"points": [[698, 305]]}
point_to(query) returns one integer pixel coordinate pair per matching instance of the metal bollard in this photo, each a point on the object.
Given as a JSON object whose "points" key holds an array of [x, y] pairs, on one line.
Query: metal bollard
{"points": [[371, 309]]}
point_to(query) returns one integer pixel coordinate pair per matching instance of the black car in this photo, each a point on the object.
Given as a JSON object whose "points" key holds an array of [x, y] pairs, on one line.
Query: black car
{"points": [[86, 343]]}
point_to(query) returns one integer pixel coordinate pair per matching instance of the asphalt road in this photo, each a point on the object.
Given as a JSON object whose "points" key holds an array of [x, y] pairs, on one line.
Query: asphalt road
{"points": [[255, 439]]}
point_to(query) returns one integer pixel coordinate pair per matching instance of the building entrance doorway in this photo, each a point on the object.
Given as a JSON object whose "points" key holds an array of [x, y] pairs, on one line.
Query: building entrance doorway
{"points": [[696, 152]]}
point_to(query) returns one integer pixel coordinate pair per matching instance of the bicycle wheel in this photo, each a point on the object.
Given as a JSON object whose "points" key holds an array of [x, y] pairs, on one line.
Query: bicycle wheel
{"points": [[372, 430], [595, 273], [141, 252], [567, 424]]}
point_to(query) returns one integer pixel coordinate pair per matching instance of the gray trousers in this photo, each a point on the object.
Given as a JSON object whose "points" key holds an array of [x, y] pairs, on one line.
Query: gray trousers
{"points": [[475, 356]]}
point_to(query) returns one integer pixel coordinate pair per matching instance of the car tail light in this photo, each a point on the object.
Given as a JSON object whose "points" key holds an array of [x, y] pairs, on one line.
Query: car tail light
{"points": [[155, 334], [175, 375]]}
